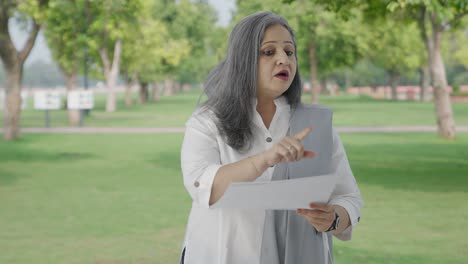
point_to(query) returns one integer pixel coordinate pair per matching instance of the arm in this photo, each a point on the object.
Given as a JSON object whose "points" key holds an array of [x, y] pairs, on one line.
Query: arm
{"points": [[206, 179], [249, 169], [346, 193], [244, 170]]}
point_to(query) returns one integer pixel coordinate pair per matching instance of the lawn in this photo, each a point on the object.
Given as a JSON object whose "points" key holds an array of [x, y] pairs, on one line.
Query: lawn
{"points": [[120, 199], [173, 111]]}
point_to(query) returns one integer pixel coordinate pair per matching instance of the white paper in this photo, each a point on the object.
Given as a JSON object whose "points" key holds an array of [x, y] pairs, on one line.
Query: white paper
{"points": [[278, 195]]}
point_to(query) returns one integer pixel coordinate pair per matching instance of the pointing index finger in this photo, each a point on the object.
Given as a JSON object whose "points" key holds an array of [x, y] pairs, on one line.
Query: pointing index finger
{"points": [[303, 134]]}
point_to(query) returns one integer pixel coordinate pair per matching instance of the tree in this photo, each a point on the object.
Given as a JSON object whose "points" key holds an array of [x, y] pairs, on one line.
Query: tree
{"points": [[109, 22], [436, 17], [33, 12], [329, 41], [189, 24], [151, 50], [396, 48], [65, 33], [196, 22]]}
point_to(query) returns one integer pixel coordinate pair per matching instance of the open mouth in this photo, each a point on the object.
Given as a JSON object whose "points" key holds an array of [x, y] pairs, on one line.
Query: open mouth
{"points": [[282, 75]]}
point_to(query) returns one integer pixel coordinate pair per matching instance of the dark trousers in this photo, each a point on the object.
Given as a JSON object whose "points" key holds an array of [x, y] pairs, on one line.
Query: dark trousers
{"points": [[182, 257]]}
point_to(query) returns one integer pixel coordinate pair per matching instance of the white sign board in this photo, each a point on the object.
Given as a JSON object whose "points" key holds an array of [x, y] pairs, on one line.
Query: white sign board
{"points": [[47, 100], [82, 99], [24, 100]]}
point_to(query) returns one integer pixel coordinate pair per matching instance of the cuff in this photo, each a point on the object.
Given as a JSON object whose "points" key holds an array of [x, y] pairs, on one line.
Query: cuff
{"points": [[203, 184], [353, 214]]}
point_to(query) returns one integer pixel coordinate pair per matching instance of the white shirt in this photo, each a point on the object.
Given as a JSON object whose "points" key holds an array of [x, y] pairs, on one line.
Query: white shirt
{"points": [[233, 236]]}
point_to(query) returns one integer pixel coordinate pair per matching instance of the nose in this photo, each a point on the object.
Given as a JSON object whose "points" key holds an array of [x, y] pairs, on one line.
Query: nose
{"points": [[282, 58]]}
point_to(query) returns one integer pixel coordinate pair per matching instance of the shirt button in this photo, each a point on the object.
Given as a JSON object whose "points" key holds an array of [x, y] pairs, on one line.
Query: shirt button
{"points": [[196, 184], [269, 139]]}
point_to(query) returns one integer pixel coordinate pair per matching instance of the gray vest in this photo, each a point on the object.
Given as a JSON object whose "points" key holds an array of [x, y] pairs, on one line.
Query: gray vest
{"points": [[288, 238]]}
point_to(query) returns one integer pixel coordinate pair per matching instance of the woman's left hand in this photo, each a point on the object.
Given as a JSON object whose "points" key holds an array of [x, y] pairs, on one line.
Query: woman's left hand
{"points": [[321, 215]]}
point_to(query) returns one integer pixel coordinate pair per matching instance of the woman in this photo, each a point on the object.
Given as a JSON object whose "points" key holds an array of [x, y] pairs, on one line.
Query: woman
{"points": [[240, 134]]}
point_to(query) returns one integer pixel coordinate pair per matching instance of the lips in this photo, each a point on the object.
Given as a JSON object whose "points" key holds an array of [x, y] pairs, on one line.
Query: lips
{"points": [[282, 75]]}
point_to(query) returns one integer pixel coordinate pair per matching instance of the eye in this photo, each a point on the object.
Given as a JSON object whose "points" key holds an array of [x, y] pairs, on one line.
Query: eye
{"points": [[289, 53], [268, 52]]}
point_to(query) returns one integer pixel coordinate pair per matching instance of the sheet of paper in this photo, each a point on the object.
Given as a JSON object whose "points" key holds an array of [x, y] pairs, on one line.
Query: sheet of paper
{"points": [[278, 195]]}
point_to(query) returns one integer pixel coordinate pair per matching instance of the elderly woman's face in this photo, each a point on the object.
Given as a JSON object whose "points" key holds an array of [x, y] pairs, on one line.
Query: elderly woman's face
{"points": [[277, 64]]}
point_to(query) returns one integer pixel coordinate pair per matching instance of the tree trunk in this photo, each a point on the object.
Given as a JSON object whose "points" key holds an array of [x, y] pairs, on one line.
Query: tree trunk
{"points": [[347, 79], [178, 87], [323, 86], [424, 82], [314, 82], [143, 93], [13, 61], [443, 105], [128, 95], [73, 114], [111, 72], [156, 92], [12, 110], [128, 90], [394, 80], [169, 87]]}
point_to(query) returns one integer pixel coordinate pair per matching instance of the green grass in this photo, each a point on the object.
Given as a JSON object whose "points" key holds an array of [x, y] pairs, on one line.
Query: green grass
{"points": [[173, 111], [120, 199], [364, 111]]}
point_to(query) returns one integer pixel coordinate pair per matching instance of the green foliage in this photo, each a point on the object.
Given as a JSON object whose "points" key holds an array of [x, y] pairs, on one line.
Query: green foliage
{"points": [[194, 23], [396, 47], [365, 73], [35, 9], [66, 33], [108, 22], [443, 11], [339, 42], [172, 39], [148, 46], [459, 44]]}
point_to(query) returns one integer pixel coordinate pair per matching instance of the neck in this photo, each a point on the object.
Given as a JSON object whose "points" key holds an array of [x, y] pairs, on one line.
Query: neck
{"points": [[266, 108]]}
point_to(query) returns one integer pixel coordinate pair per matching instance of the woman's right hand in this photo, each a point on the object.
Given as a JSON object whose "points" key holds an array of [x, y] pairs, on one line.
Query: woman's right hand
{"points": [[288, 149]]}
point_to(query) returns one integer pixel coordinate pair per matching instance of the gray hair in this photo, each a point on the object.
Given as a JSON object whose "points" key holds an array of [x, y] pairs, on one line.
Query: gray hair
{"points": [[231, 85]]}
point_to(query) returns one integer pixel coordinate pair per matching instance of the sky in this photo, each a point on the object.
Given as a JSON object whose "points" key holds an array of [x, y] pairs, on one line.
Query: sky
{"points": [[42, 52]]}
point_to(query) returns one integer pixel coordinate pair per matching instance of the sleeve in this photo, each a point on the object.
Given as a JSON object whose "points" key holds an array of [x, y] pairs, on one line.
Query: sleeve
{"points": [[200, 158], [346, 192]]}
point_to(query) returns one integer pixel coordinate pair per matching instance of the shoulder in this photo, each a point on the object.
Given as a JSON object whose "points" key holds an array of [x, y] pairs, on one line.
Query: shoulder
{"points": [[202, 119]]}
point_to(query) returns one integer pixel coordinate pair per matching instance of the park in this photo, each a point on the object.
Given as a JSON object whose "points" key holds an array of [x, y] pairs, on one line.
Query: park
{"points": [[106, 186]]}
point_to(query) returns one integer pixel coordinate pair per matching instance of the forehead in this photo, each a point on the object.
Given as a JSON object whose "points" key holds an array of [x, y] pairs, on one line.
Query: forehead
{"points": [[276, 33]]}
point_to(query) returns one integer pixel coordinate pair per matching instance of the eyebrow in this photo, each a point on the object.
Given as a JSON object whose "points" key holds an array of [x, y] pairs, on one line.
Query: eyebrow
{"points": [[273, 41]]}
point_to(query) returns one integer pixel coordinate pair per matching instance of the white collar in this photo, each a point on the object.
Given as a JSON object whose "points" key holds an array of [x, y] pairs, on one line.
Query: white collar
{"points": [[280, 102]]}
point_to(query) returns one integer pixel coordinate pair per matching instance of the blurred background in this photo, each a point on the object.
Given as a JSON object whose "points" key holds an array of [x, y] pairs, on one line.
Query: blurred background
{"points": [[95, 94]]}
